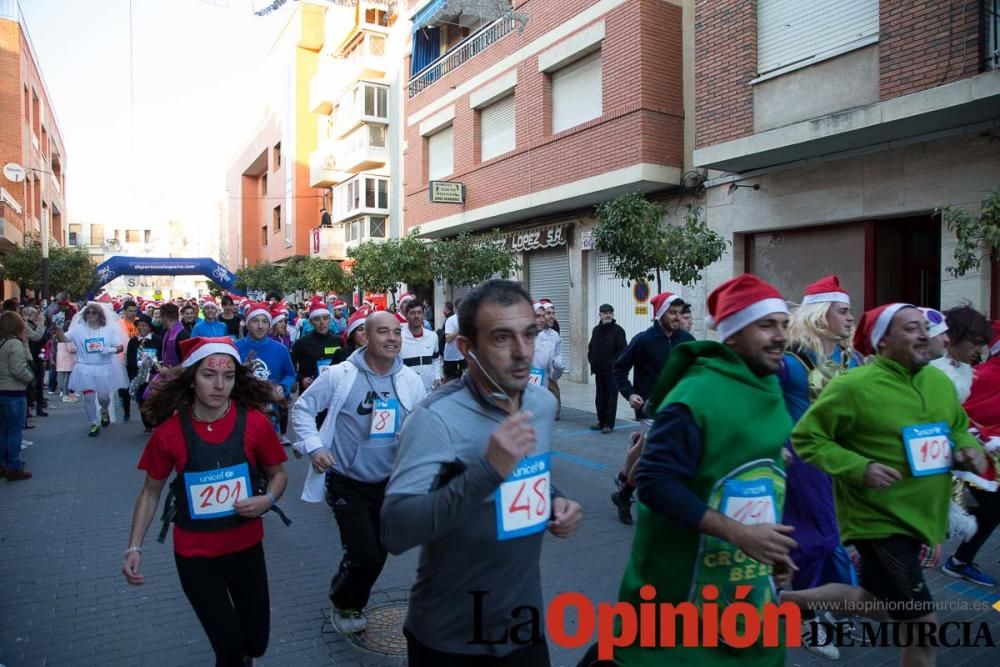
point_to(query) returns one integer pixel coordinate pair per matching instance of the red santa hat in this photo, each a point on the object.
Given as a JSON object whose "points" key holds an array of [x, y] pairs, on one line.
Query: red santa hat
{"points": [[104, 298], [826, 290], [538, 306], [404, 298], [357, 319], [662, 301], [741, 301], [547, 304], [279, 313], [257, 309], [873, 326], [936, 322], [195, 349], [331, 297], [209, 302], [317, 308], [400, 317], [338, 305]]}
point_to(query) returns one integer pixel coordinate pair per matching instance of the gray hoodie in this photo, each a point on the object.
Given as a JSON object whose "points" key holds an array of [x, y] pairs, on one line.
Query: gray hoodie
{"points": [[358, 455]]}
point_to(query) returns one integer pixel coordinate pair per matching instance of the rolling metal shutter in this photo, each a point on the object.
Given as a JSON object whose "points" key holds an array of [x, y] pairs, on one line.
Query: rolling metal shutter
{"points": [[548, 278], [497, 132], [441, 154], [576, 93], [788, 32]]}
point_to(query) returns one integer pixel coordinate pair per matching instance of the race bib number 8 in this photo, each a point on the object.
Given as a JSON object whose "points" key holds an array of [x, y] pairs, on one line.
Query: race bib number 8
{"points": [[928, 448], [749, 502], [524, 500], [385, 418], [211, 493], [536, 377]]}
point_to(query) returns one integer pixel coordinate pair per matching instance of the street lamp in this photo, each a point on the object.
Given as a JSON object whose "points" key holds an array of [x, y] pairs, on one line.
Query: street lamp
{"points": [[15, 173]]}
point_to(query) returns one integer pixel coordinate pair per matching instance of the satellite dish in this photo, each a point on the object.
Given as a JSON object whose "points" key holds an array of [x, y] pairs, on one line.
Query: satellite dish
{"points": [[13, 172]]}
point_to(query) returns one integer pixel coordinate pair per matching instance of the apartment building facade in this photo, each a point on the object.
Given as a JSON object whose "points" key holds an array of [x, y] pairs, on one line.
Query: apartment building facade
{"points": [[272, 207], [523, 116], [831, 136], [29, 137], [355, 95]]}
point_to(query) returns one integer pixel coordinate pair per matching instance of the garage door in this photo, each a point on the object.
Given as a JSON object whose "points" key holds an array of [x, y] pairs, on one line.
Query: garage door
{"points": [[548, 278]]}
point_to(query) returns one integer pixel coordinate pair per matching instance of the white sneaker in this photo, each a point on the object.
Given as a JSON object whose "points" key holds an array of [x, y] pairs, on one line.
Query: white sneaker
{"points": [[26, 443], [348, 621], [816, 642]]}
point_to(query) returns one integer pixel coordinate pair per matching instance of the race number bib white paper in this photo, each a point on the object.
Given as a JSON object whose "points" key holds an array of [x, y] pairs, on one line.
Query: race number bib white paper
{"points": [[928, 448], [750, 502], [93, 345], [211, 493], [524, 500], [536, 377], [385, 418]]}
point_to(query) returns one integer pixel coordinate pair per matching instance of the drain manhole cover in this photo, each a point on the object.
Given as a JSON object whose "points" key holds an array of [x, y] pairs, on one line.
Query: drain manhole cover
{"points": [[384, 634]]}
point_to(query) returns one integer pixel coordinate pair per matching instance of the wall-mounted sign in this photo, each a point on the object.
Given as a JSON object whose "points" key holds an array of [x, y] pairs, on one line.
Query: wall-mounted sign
{"points": [[587, 241], [640, 291], [642, 310], [537, 239], [446, 192], [315, 240]]}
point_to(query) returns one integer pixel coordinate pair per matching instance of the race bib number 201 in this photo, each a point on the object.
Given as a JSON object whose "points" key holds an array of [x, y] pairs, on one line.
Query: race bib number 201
{"points": [[524, 500], [928, 448], [211, 493]]}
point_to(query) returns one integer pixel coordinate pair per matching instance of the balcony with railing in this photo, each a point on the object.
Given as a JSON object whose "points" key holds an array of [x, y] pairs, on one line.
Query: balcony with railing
{"points": [[323, 171], [364, 148], [466, 50], [364, 57], [364, 194], [328, 243], [366, 102]]}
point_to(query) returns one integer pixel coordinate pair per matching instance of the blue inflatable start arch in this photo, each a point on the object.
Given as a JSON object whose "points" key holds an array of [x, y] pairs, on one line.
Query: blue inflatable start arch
{"points": [[167, 266]]}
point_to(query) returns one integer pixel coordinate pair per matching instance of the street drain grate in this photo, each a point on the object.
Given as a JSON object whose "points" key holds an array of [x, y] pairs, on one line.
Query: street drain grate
{"points": [[384, 634]]}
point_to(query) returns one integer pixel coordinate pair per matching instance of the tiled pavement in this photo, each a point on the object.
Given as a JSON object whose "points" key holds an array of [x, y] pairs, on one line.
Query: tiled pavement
{"points": [[64, 602]]}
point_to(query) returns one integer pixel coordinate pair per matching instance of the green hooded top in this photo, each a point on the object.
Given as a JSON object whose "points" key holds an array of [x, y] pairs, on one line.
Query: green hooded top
{"points": [[859, 419], [744, 425]]}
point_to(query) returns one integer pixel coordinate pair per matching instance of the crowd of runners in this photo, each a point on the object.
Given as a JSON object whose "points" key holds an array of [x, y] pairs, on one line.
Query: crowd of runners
{"points": [[803, 457]]}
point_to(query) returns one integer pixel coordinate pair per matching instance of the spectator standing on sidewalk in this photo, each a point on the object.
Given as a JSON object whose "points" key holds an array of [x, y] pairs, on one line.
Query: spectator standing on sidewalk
{"points": [[38, 338], [15, 376], [607, 341], [454, 362]]}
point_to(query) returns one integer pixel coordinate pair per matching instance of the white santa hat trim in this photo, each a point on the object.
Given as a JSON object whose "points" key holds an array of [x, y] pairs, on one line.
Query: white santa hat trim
{"points": [[207, 350], [883, 321], [665, 306], [257, 311], [743, 318], [317, 309], [827, 297], [538, 306]]}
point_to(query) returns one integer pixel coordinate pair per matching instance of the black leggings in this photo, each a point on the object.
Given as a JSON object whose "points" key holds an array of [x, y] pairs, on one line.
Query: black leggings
{"points": [[356, 508], [229, 595], [987, 513]]}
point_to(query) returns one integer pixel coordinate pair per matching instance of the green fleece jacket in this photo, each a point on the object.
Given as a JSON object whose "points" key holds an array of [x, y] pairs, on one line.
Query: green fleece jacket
{"points": [[859, 419]]}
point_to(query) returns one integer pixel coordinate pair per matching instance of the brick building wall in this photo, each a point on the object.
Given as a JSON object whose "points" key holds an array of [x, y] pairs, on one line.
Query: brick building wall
{"points": [[642, 119], [922, 45], [725, 62]]}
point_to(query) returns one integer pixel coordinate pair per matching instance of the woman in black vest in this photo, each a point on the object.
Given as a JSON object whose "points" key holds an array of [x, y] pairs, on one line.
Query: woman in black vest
{"points": [[212, 430]]}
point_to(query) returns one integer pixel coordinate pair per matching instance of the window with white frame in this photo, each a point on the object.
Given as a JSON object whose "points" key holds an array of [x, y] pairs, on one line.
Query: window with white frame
{"points": [[497, 129], [577, 93], [788, 36], [361, 192], [376, 227], [441, 154]]}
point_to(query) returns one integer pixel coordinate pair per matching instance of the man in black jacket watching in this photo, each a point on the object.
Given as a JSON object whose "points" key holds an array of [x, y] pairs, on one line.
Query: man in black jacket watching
{"points": [[645, 356], [606, 342]]}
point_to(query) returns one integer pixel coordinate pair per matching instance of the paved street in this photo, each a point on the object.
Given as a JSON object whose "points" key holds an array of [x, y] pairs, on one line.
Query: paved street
{"points": [[64, 602]]}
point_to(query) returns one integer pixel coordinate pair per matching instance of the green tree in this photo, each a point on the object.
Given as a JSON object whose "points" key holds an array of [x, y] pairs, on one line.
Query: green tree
{"points": [[263, 277], [381, 266], [326, 275], [639, 246], [294, 275], [976, 236], [70, 268], [466, 260]]}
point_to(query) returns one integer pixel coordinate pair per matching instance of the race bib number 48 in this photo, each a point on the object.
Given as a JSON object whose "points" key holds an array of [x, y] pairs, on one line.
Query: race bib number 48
{"points": [[750, 502], [211, 493], [524, 500], [928, 448]]}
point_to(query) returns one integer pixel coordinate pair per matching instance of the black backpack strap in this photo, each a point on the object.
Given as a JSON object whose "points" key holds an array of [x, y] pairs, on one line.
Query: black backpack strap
{"points": [[169, 511]]}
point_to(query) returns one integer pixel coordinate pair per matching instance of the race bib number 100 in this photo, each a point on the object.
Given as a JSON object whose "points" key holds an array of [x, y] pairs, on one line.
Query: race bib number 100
{"points": [[524, 500], [928, 448], [750, 502], [211, 493]]}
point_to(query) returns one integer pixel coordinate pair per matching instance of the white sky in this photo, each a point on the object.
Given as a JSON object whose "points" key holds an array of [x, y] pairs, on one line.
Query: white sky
{"points": [[198, 69]]}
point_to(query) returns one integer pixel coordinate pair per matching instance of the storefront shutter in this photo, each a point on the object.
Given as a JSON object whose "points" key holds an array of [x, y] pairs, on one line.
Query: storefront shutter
{"points": [[548, 278]]}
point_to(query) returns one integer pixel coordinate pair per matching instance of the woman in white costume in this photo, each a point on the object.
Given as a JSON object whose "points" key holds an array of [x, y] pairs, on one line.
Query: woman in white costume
{"points": [[98, 339]]}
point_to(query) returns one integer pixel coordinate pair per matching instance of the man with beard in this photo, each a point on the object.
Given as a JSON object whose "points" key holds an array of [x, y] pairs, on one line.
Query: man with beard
{"points": [[468, 452], [646, 355], [711, 476], [367, 398], [266, 358], [885, 432]]}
